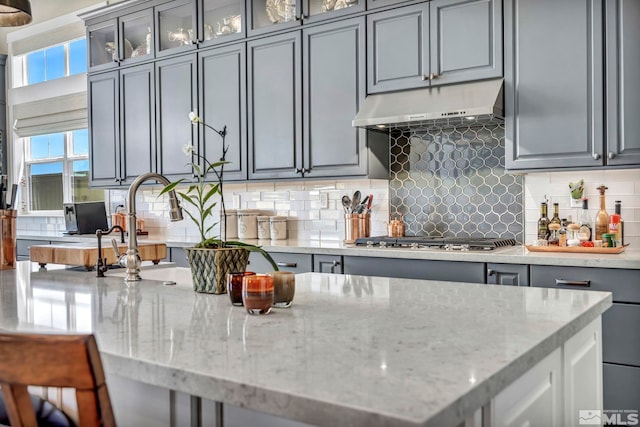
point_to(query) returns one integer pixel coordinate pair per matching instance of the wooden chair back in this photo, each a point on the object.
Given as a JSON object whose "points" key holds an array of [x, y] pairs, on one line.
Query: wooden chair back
{"points": [[70, 361]]}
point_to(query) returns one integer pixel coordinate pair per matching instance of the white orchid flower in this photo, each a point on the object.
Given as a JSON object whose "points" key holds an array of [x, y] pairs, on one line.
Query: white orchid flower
{"points": [[193, 117], [188, 149]]}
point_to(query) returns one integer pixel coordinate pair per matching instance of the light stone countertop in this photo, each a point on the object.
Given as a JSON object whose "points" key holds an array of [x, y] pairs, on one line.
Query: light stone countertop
{"points": [[630, 258], [352, 350]]}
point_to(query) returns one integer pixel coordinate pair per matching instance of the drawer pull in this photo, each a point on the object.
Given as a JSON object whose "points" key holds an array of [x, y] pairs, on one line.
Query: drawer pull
{"points": [[287, 264], [585, 283]]}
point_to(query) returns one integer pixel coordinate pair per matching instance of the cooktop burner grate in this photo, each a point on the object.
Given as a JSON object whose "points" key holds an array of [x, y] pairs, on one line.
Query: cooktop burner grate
{"points": [[450, 243]]}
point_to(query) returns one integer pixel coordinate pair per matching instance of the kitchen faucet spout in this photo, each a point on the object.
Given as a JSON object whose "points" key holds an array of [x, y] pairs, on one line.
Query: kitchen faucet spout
{"points": [[131, 260]]}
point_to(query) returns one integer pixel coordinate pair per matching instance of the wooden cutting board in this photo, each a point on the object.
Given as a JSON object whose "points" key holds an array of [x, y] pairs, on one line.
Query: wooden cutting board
{"points": [[86, 254]]}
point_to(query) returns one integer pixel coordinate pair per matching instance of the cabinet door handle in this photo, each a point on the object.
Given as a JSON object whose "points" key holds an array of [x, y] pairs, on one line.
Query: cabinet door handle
{"points": [[335, 263], [596, 156], [611, 155], [287, 264], [491, 272], [425, 78], [433, 76], [562, 282], [298, 170]]}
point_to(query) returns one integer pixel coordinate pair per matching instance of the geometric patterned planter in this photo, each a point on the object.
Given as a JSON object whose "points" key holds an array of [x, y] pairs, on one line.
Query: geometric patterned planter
{"points": [[209, 267]]}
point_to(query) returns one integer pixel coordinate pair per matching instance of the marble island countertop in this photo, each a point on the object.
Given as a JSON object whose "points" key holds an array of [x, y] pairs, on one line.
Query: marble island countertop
{"points": [[630, 258], [352, 350]]}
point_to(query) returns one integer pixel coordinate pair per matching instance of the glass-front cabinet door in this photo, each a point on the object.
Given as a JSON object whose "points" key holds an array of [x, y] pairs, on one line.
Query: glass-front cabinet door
{"points": [[176, 26], [136, 38], [316, 10], [270, 15], [103, 51], [221, 20]]}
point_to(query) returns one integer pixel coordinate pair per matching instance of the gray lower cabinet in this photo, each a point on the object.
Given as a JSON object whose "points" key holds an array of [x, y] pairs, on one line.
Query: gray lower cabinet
{"points": [[222, 96], [553, 84], [508, 274], [621, 349], [274, 75], [623, 78], [621, 386], [415, 269], [178, 256], [297, 263], [24, 245], [327, 264], [176, 97], [422, 45]]}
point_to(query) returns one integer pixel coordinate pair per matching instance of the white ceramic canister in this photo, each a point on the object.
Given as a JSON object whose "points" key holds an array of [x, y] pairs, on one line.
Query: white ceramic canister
{"points": [[264, 231], [278, 226], [248, 223], [231, 224]]}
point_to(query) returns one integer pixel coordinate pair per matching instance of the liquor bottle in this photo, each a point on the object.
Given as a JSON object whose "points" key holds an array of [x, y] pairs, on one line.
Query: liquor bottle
{"points": [[585, 231], [543, 222], [616, 224], [556, 215], [602, 217]]}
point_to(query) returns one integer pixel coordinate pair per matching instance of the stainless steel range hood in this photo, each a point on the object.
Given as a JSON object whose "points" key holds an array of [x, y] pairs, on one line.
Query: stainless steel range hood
{"points": [[442, 107]]}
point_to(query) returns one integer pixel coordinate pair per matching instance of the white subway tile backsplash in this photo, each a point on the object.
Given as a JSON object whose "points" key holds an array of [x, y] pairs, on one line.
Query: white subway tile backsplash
{"points": [[623, 185]]}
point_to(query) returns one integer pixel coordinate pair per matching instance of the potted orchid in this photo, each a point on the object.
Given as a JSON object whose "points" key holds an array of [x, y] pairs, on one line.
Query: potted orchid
{"points": [[213, 256]]}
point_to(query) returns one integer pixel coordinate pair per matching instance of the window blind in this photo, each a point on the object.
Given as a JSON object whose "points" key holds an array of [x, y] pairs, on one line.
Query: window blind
{"points": [[59, 114], [50, 38]]}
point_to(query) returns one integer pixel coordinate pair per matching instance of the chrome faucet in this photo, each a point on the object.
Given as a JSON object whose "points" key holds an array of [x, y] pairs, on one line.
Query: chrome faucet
{"points": [[131, 259]]}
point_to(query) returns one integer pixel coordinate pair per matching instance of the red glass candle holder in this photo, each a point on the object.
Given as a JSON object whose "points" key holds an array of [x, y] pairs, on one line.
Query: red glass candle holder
{"points": [[234, 286], [257, 293]]}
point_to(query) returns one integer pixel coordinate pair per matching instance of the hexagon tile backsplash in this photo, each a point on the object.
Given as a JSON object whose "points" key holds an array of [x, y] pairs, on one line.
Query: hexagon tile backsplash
{"points": [[451, 182]]}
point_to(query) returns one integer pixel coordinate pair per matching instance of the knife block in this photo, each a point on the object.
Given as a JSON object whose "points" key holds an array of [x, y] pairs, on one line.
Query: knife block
{"points": [[8, 236]]}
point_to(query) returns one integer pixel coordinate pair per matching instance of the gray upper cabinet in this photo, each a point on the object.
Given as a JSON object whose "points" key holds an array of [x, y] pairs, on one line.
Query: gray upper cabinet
{"points": [[553, 84], [137, 110], [122, 134], [223, 104], [275, 106], [398, 49], [104, 138], [334, 87], [623, 82], [422, 45], [120, 41], [176, 97], [310, 134], [472, 54]]}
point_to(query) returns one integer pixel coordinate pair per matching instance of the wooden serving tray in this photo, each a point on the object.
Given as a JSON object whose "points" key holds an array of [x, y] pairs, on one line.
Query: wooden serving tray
{"points": [[86, 254], [575, 249]]}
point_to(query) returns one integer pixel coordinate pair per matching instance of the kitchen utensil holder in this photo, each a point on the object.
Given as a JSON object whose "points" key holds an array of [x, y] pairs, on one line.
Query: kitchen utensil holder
{"points": [[8, 235], [356, 226]]}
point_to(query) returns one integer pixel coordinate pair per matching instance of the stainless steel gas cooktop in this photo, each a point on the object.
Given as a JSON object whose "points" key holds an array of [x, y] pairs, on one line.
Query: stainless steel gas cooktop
{"points": [[428, 242]]}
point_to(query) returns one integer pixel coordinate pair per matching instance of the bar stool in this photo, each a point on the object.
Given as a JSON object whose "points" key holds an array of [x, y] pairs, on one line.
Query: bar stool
{"points": [[69, 361]]}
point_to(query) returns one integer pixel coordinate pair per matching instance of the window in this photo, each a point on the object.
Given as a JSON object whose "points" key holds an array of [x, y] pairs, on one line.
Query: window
{"points": [[57, 167], [51, 63]]}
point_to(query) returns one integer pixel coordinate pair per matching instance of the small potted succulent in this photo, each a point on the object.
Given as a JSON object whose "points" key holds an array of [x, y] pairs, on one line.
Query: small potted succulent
{"points": [[213, 256]]}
